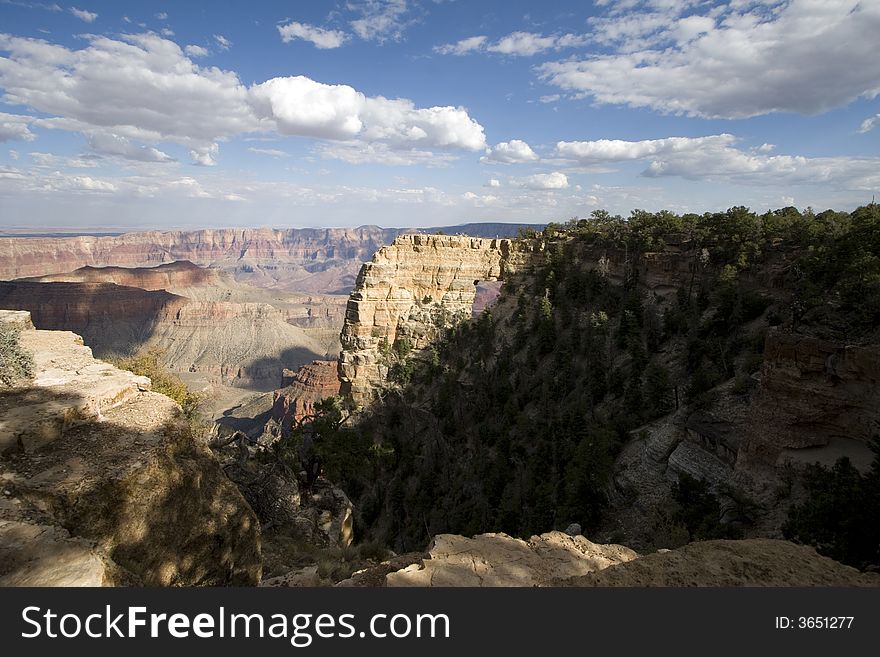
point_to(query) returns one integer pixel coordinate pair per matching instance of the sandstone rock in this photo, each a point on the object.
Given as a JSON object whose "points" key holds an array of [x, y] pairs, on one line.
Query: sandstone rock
{"points": [[91, 450], [39, 555], [414, 289], [307, 386], [752, 562], [812, 391], [303, 577], [499, 560]]}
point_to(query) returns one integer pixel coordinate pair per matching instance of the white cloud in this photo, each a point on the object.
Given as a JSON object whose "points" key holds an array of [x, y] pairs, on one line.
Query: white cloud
{"points": [[549, 98], [301, 106], [617, 150], [144, 88], [518, 44], [515, 151], [222, 42], [14, 127], [462, 47], [493, 182], [109, 144], [54, 161], [545, 181], [380, 20], [205, 156], [321, 38], [772, 56], [870, 123], [162, 16], [359, 152], [83, 15], [481, 200], [196, 51], [14, 154], [272, 152], [715, 158]]}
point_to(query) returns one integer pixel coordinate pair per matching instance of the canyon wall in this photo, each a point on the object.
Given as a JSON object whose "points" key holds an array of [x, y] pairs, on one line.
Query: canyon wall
{"points": [[813, 393], [239, 343], [313, 260], [412, 290]]}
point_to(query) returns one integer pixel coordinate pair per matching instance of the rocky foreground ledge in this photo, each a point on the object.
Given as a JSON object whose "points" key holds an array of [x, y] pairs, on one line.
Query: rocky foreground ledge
{"points": [[557, 559], [102, 484]]}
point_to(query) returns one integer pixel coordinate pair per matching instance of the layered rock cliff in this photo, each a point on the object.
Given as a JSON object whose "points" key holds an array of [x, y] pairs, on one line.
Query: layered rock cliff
{"points": [[316, 260], [103, 485], [303, 390], [410, 292]]}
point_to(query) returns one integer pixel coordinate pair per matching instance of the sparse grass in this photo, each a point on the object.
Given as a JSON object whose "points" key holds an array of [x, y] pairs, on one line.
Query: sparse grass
{"points": [[148, 363], [16, 364]]}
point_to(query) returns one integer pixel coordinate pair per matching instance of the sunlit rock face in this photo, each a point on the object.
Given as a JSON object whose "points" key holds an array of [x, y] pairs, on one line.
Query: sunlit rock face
{"points": [[412, 290]]}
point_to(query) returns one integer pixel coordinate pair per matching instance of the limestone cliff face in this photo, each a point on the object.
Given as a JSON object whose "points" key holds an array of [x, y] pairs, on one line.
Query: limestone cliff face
{"points": [[103, 485], [317, 260], [814, 392], [413, 289], [305, 388], [171, 276], [237, 343]]}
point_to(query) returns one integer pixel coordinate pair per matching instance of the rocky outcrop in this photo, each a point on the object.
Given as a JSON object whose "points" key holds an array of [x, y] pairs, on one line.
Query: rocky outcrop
{"points": [[103, 484], [813, 391], [306, 387], [555, 559], [752, 562], [500, 560], [411, 291]]}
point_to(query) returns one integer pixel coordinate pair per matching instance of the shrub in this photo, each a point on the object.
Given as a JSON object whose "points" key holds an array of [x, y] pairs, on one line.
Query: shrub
{"points": [[16, 364], [147, 363]]}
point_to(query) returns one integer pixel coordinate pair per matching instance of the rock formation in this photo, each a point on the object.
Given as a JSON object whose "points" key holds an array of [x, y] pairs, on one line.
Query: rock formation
{"points": [[314, 260], [814, 392], [172, 276], [306, 387], [555, 559], [412, 290], [102, 483], [246, 344]]}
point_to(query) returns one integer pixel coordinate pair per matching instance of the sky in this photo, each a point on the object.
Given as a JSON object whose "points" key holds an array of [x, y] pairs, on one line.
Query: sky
{"points": [[139, 115]]}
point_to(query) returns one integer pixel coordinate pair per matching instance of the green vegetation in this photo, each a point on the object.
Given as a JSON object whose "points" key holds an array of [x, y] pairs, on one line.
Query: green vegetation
{"points": [[148, 363], [840, 516], [16, 364], [512, 422]]}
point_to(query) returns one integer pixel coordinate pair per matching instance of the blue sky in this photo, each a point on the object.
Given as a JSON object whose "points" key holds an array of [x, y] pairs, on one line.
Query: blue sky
{"points": [[132, 115]]}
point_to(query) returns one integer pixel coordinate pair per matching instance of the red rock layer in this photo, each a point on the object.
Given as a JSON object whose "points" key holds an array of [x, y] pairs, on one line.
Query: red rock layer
{"points": [[310, 384]]}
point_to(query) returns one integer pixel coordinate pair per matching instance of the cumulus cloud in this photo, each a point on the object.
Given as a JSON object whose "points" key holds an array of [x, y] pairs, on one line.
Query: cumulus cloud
{"points": [[869, 123], [518, 44], [462, 47], [617, 150], [107, 143], [145, 88], [321, 38], [545, 181], [359, 152], [196, 51], [773, 56], [493, 182], [514, 151], [222, 42], [14, 127], [380, 20], [83, 15], [716, 158]]}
